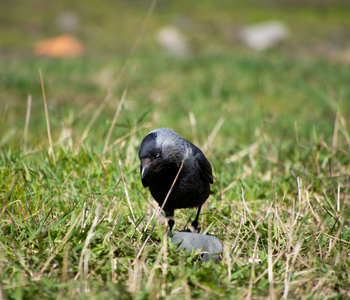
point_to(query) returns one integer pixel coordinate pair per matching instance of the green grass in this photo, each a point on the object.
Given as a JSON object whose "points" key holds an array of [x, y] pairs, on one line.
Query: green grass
{"points": [[273, 125], [280, 159]]}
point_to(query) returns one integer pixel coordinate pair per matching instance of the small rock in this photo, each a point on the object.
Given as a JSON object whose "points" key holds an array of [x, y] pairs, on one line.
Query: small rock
{"points": [[173, 41], [68, 21], [264, 35], [211, 246]]}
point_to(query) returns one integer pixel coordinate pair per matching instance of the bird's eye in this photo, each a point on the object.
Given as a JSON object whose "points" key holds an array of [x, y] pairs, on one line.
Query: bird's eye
{"points": [[157, 155]]}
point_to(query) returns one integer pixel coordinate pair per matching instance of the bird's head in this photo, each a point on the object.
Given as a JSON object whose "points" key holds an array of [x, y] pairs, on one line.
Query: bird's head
{"points": [[159, 149]]}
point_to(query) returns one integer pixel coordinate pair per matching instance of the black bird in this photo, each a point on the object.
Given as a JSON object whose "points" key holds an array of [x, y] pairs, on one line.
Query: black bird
{"points": [[161, 153]]}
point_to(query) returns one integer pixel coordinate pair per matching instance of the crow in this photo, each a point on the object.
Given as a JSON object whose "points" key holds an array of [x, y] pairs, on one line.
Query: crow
{"points": [[162, 153]]}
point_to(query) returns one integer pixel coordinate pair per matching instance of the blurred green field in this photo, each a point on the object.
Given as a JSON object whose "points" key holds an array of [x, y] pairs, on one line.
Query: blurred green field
{"points": [[248, 92], [273, 125], [112, 27]]}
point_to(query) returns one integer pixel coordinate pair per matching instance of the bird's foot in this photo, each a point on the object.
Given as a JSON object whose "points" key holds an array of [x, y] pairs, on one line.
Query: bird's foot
{"points": [[191, 229], [170, 233]]}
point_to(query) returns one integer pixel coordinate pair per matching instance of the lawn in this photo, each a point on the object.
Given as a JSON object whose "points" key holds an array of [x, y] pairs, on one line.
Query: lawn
{"points": [[73, 213]]}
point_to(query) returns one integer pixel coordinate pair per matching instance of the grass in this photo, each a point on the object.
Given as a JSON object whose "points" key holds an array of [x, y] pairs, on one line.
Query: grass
{"points": [[281, 168], [73, 213]]}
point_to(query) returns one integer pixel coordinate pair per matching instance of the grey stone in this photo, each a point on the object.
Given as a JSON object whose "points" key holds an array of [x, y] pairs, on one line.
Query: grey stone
{"points": [[211, 246], [264, 35], [173, 41], [68, 21]]}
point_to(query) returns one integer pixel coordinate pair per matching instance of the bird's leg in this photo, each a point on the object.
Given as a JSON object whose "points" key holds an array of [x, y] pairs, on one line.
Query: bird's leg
{"points": [[170, 217], [195, 222]]}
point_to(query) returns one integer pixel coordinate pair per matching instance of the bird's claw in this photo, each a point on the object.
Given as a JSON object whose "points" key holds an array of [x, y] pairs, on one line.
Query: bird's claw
{"points": [[191, 229]]}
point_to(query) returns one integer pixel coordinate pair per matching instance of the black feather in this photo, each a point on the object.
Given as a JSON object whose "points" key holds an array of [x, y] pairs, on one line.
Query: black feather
{"points": [[204, 164]]}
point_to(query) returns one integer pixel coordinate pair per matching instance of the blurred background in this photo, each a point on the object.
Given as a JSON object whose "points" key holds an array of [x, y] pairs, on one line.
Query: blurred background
{"points": [[248, 62], [111, 27]]}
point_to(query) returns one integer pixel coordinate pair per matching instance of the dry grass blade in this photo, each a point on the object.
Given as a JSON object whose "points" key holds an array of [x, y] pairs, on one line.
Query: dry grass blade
{"points": [[2, 294], [143, 28], [290, 271], [246, 209], [335, 132], [344, 131], [93, 120], [272, 293], [29, 105], [26, 218], [131, 133], [234, 182], [156, 264], [105, 148], [103, 165], [127, 195], [279, 256], [64, 275], [213, 134], [252, 274], [47, 119], [158, 211], [193, 126], [84, 259], [335, 240], [136, 270], [120, 105], [4, 209], [251, 149]]}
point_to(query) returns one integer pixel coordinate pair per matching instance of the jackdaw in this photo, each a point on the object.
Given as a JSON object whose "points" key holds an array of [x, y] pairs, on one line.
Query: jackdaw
{"points": [[162, 153]]}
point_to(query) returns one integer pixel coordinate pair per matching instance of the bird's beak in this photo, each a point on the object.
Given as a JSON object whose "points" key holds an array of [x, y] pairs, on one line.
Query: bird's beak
{"points": [[145, 166]]}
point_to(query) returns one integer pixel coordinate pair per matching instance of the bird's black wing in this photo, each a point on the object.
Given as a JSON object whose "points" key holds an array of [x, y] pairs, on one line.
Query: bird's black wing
{"points": [[204, 164]]}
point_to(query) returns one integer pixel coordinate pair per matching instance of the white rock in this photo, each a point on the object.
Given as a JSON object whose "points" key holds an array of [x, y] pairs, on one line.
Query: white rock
{"points": [[68, 21], [173, 41], [264, 35], [211, 246]]}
